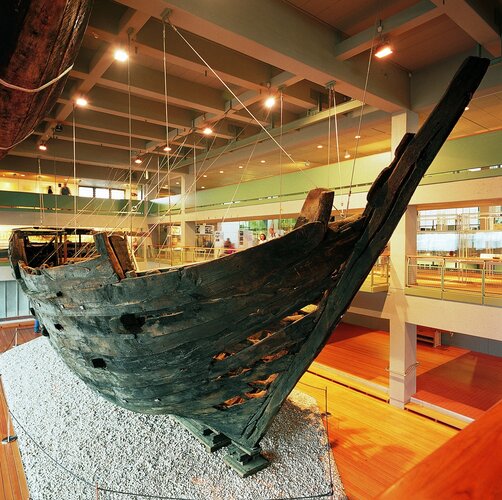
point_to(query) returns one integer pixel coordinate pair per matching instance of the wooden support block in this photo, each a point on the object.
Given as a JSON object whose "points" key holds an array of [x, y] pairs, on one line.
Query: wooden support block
{"points": [[243, 463], [210, 438]]}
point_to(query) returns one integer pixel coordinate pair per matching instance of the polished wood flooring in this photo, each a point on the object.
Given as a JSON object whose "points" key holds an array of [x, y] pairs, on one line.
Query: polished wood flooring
{"points": [[373, 443], [456, 379], [12, 479]]}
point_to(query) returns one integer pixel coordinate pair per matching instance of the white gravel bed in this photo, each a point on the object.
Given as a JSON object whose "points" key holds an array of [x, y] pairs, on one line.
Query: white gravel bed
{"points": [[144, 454]]}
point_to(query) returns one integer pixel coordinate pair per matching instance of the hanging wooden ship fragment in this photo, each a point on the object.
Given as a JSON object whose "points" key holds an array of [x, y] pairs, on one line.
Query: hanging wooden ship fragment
{"points": [[39, 42], [220, 344]]}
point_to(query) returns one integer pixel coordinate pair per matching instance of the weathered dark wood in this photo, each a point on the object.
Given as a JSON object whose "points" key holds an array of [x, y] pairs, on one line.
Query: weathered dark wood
{"points": [[210, 341], [39, 40], [317, 207]]}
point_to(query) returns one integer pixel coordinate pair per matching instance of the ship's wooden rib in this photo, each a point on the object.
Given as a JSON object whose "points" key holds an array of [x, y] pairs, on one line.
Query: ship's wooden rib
{"points": [[214, 341]]}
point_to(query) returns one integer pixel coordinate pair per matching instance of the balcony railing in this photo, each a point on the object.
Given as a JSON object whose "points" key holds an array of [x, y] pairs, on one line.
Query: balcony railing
{"points": [[470, 280], [378, 278]]}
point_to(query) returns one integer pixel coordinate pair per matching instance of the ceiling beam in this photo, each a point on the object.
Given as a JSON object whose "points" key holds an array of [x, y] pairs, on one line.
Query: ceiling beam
{"points": [[424, 95], [54, 167], [113, 103], [149, 83], [310, 56], [304, 94], [99, 64], [286, 132], [87, 154], [482, 21], [93, 120], [232, 67], [88, 136], [407, 19], [244, 100]]}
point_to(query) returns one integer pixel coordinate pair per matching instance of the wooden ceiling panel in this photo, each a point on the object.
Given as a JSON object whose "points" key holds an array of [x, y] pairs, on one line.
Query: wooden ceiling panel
{"points": [[348, 16], [107, 14], [430, 43]]}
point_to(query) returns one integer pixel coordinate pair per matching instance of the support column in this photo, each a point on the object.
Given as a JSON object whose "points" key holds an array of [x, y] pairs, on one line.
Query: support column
{"points": [[401, 123], [403, 335], [187, 183], [403, 359]]}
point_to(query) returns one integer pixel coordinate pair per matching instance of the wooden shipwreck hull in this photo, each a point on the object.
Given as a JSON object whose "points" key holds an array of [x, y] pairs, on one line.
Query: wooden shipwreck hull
{"points": [[39, 41], [212, 342]]}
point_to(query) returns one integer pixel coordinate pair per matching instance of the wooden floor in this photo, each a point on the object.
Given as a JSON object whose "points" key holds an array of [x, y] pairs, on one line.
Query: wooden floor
{"points": [[12, 479], [456, 379], [373, 443]]}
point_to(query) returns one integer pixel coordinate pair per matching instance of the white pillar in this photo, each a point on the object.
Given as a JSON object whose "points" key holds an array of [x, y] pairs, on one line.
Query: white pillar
{"points": [[403, 243], [401, 123], [403, 358], [187, 183], [403, 335]]}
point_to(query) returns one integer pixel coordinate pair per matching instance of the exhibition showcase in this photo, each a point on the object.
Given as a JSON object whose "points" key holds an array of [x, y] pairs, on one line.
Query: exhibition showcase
{"points": [[233, 265]]}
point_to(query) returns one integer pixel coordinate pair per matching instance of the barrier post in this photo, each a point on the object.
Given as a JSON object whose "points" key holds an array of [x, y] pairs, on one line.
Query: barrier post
{"points": [[9, 438]]}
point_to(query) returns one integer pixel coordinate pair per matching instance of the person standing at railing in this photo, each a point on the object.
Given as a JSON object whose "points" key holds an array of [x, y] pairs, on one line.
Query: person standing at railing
{"points": [[65, 190], [50, 191]]}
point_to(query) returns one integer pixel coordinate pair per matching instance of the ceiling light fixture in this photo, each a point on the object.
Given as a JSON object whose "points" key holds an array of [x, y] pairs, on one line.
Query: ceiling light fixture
{"points": [[221, 171], [207, 131], [42, 146], [203, 187], [120, 55], [357, 137], [269, 102], [319, 146], [138, 160], [167, 149], [240, 166], [346, 155], [383, 51], [82, 102], [262, 161], [204, 175], [466, 108]]}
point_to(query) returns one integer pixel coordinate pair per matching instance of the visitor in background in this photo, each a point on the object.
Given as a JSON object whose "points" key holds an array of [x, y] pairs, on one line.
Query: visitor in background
{"points": [[229, 247], [49, 191], [65, 190], [262, 239]]}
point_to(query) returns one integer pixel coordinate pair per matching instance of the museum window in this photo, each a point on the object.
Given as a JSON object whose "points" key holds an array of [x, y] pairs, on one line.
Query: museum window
{"points": [[102, 193]]}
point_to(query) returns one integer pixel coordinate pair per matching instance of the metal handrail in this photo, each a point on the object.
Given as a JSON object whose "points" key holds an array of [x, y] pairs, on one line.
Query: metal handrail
{"points": [[452, 274]]}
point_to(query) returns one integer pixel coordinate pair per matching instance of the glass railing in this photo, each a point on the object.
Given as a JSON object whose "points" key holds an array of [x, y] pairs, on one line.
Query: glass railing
{"points": [[471, 280]]}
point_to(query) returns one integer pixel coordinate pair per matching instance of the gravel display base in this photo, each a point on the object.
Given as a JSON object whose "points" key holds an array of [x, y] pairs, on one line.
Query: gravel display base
{"points": [[100, 444]]}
